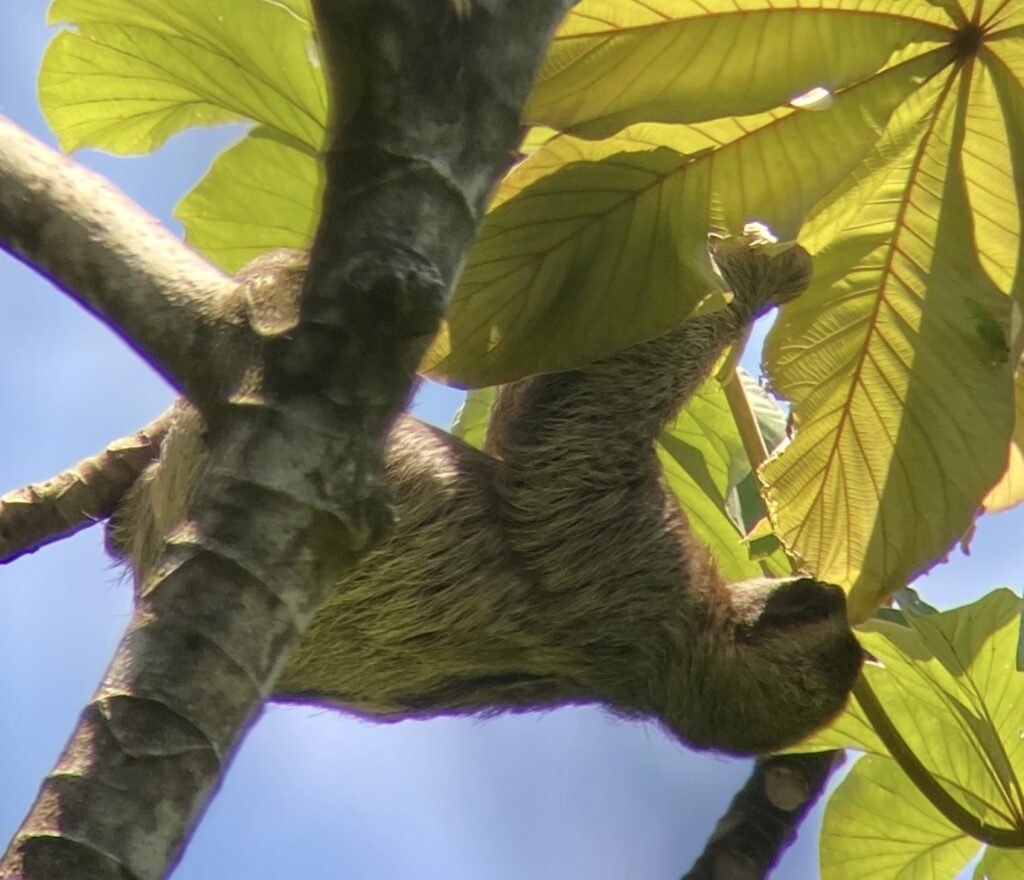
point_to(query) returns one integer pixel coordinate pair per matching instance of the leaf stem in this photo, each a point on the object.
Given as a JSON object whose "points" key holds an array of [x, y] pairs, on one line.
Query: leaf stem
{"points": [[743, 416], [744, 419], [950, 808], [746, 423]]}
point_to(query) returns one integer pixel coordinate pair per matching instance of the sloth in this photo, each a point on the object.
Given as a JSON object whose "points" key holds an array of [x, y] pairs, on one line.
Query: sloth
{"points": [[554, 567]]}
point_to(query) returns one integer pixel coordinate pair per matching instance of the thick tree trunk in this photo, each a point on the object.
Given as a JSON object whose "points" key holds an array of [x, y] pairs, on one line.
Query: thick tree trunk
{"points": [[292, 493]]}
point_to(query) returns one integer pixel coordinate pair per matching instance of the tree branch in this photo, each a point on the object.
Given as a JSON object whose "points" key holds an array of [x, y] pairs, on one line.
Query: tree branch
{"points": [[291, 492], [37, 515], [763, 818], [436, 122], [77, 229]]}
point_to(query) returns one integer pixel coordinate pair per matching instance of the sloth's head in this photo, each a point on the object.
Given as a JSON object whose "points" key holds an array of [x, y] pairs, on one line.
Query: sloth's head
{"points": [[781, 668]]}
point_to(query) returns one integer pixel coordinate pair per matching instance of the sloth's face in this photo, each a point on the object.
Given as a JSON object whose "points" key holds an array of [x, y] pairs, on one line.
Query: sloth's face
{"points": [[786, 671]]}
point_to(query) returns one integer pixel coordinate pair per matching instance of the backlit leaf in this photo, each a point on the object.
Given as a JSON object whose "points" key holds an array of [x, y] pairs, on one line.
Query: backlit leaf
{"points": [[1000, 864], [892, 377], [616, 63], [878, 826], [704, 463], [584, 261], [593, 246], [258, 195], [948, 683], [470, 423], [1009, 491], [131, 74]]}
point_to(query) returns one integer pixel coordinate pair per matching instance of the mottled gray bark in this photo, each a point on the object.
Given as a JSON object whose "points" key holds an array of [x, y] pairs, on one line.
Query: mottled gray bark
{"points": [[297, 409]]}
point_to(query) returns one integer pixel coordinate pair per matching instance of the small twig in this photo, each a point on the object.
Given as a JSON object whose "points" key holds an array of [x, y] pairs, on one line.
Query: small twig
{"points": [[39, 514]]}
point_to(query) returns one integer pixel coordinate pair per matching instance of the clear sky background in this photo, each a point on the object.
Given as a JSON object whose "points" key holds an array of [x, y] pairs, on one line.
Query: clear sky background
{"points": [[314, 794]]}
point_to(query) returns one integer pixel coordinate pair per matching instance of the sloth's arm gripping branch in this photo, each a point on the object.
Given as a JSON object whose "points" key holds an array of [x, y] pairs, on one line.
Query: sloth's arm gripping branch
{"points": [[611, 411], [623, 399]]}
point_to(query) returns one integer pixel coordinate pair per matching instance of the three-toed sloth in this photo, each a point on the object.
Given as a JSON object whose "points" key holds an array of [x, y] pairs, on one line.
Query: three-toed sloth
{"points": [[555, 567]]}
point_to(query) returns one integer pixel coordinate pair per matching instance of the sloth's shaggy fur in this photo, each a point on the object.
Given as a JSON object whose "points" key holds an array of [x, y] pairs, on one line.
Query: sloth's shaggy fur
{"points": [[556, 567]]}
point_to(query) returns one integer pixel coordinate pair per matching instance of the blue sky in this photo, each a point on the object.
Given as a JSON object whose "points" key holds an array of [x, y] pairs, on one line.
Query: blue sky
{"points": [[314, 794]]}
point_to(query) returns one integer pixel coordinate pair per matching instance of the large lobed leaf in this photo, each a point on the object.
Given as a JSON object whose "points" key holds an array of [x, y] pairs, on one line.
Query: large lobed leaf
{"points": [[131, 74], [613, 63], [948, 682], [897, 360], [597, 244]]}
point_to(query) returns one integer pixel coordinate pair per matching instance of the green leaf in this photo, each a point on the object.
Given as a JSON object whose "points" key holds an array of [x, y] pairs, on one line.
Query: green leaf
{"points": [[973, 672], [892, 358], [877, 826], [134, 72], [262, 193], [609, 238], [949, 685], [616, 63], [1000, 864], [592, 257], [891, 381], [993, 147], [471, 420], [1009, 491], [704, 461]]}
